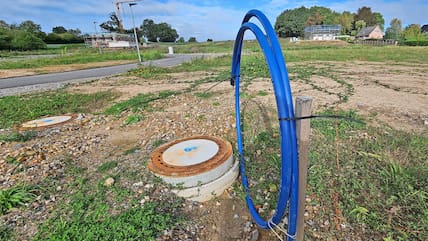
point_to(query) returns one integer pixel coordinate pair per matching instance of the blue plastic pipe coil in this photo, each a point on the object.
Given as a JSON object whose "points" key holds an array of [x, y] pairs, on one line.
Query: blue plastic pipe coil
{"points": [[288, 191]]}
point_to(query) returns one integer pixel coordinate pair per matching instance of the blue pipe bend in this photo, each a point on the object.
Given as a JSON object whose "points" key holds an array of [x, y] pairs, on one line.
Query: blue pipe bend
{"points": [[288, 191]]}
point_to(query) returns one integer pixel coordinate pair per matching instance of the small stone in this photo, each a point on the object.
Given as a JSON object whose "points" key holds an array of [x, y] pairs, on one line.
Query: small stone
{"points": [[108, 128], [109, 182], [235, 216], [138, 184], [254, 235]]}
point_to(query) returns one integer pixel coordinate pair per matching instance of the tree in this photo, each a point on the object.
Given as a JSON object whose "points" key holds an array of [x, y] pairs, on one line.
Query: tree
{"points": [[30, 27], [59, 29], [326, 15], [5, 39], [27, 41], [345, 20], [379, 20], [166, 33], [111, 25], [149, 30], [413, 32], [291, 22], [192, 40], [180, 40], [395, 29], [33, 28], [360, 24], [75, 32], [162, 32], [314, 19], [365, 14]]}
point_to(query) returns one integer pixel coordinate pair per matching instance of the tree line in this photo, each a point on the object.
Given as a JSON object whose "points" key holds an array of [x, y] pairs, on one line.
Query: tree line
{"points": [[292, 22], [29, 36], [149, 30]]}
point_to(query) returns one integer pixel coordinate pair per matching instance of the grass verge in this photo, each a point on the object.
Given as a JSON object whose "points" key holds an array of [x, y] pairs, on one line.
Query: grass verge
{"points": [[370, 181], [90, 211], [16, 109]]}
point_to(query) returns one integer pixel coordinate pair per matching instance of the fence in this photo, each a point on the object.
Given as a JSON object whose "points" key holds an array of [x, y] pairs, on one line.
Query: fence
{"points": [[376, 42]]}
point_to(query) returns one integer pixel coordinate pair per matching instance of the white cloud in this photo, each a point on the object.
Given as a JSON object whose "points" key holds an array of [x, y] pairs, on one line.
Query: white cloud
{"points": [[218, 19]]}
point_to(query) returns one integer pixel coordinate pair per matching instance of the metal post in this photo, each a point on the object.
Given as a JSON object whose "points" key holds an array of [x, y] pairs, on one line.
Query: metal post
{"points": [[135, 32]]}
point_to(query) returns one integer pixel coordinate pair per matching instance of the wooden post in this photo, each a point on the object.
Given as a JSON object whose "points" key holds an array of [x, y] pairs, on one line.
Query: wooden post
{"points": [[303, 129]]}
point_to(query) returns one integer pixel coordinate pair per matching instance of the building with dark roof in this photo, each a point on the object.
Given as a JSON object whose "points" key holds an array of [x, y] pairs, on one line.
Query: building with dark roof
{"points": [[424, 29], [372, 32]]}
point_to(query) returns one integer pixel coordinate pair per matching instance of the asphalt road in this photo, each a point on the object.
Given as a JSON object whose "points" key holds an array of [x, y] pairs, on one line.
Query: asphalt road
{"points": [[88, 74]]}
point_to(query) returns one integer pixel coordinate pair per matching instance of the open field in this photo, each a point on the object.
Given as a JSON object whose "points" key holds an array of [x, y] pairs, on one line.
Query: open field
{"points": [[366, 181]]}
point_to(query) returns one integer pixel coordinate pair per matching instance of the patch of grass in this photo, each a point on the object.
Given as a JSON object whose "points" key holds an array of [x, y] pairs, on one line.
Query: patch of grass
{"points": [[15, 197], [131, 150], [370, 178], [262, 93], [204, 95], [357, 53], [6, 233], [107, 166], [88, 217], [150, 72], [377, 174], [17, 109], [137, 103], [132, 119], [159, 142], [80, 56], [18, 136]]}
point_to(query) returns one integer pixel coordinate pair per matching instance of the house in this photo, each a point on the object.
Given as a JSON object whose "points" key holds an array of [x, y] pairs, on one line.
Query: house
{"points": [[322, 32], [373, 32], [424, 29], [110, 40]]}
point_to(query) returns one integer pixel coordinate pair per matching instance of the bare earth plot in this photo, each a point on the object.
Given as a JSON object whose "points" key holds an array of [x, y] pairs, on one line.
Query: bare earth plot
{"points": [[390, 94]]}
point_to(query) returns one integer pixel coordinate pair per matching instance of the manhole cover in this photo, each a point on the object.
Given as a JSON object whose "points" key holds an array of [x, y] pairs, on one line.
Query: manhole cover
{"points": [[202, 166], [46, 121]]}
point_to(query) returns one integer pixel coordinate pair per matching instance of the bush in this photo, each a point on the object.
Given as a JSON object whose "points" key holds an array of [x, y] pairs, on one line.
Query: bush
{"points": [[416, 42], [5, 39], [27, 41]]}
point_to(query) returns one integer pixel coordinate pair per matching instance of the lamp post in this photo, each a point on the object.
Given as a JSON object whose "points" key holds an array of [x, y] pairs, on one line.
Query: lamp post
{"points": [[95, 26], [135, 32]]}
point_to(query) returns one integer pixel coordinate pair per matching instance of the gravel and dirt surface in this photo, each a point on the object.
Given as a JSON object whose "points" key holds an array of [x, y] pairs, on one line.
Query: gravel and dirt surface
{"points": [[390, 94]]}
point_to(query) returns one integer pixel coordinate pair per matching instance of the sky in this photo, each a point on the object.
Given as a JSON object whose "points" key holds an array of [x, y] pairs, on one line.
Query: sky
{"points": [[203, 19]]}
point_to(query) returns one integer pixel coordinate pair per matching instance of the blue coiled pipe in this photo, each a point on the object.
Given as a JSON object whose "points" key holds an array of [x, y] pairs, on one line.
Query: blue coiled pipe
{"points": [[288, 191]]}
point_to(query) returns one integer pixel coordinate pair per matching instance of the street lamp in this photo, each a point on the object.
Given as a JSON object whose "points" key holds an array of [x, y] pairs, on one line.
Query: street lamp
{"points": [[135, 32], [95, 26]]}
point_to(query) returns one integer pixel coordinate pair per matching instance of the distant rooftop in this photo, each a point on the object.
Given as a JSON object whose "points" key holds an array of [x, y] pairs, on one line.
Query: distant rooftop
{"points": [[323, 28], [366, 31]]}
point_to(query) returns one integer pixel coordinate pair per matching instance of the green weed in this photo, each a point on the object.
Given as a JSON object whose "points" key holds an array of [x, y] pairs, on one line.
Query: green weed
{"points": [[18, 136], [107, 166], [14, 197], [131, 150], [132, 119], [204, 95], [137, 103], [6, 233]]}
